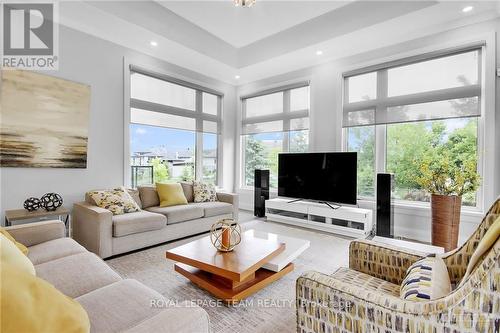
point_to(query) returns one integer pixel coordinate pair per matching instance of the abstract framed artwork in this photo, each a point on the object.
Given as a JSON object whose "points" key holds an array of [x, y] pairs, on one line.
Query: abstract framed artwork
{"points": [[43, 121]]}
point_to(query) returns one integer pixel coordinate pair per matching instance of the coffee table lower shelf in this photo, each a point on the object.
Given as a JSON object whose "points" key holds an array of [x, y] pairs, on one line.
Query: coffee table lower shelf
{"points": [[227, 290]]}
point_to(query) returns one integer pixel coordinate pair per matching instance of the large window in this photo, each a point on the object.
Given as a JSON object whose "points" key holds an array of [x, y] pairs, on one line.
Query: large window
{"points": [[174, 130], [273, 122], [399, 114]]}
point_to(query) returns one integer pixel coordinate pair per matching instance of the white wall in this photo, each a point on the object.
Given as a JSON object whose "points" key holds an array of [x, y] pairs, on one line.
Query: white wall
{"points": [[326, 131], [98, 63]]}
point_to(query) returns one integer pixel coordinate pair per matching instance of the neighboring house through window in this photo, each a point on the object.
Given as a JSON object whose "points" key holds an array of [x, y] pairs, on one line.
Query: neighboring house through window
{"points": [[174, 129]]}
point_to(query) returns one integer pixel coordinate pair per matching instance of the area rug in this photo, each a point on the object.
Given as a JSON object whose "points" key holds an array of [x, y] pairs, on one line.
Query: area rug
{"points": [[272, 309]]}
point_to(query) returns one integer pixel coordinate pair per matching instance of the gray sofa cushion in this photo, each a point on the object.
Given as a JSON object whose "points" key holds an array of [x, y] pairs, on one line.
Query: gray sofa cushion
{"points": [[214, 208], [54, 249], [180, 213], [131, 223], [149, 196], [77, 274], [119, 306], [187, 187]]}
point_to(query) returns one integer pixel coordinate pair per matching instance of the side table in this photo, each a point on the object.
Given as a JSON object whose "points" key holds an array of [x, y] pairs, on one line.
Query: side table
{"points": [[22, 214]]}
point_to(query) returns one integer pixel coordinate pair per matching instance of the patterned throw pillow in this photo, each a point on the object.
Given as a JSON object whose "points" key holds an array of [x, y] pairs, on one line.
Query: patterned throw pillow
{"points": [[425, 280], [117, 201], [204, 192]]}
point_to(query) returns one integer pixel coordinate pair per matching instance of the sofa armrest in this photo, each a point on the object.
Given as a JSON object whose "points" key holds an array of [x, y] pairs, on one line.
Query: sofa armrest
{"points": [[93, 228], [30, 234], [231, 198], [383, 261]]}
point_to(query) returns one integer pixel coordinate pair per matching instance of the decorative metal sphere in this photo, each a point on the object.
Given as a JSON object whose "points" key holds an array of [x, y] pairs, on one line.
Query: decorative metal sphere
{"points": [[31, 204], [225, 235], [51, 201]]}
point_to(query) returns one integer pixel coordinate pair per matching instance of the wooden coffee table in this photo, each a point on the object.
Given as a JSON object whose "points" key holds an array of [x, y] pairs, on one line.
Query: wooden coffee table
{"points": [[229, 276]]}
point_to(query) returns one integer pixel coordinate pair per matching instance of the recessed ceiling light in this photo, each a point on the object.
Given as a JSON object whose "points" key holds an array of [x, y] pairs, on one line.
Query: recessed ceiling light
{"points": [[153, 43], [236, 77], [467, 9], [319, 52]]}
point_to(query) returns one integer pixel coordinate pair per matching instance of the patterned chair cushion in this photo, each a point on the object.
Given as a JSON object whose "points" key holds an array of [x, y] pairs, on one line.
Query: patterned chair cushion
{"points": [[204, 192], [365, 281], [117, 201], [425, 280]]}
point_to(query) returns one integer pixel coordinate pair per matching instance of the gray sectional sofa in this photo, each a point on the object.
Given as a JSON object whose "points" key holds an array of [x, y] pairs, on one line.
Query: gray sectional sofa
{"points": [[107, 235], [113, 304]]}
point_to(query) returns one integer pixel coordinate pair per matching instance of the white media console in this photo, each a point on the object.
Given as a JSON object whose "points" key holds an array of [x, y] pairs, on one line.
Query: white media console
{"points": [[347, 221]]}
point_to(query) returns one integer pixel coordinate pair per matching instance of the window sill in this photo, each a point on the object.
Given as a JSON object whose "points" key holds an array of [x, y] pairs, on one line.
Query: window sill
{"points": [[421, 209], [469, 214]]}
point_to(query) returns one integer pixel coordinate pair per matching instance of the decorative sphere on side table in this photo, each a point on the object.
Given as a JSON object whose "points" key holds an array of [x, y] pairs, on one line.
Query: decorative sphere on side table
{"points": [[225, 235], [51, 201], [31, 204]]}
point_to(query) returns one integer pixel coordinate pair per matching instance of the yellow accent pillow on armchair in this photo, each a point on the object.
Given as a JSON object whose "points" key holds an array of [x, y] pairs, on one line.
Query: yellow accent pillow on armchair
{"points": [[30, 304], [171, 194]]}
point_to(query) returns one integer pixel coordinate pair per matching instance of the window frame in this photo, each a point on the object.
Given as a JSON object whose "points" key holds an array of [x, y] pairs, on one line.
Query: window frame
{"points": [[382, 102], [198, 115], [286, 116]]}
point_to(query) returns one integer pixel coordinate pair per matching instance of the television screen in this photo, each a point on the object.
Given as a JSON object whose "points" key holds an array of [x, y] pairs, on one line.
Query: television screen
{"points": [[318, 176]]}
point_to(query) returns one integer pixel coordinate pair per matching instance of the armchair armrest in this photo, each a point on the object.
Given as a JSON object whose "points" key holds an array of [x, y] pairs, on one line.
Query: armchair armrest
{"points": [[324, 302], [30, 234], [383, 261], [231, 198], [93, 228]]}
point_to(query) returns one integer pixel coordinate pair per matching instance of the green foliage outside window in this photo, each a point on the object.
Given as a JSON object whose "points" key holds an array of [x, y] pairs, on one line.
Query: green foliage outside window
{"points": [[160, 171], [256, 157], [260, 156], [447, 144], [187, 173], [417, 150]]}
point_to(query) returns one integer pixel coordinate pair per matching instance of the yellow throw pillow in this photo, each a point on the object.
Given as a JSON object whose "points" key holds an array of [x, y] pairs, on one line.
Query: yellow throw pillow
{"points": [[171, 194], [489, 238], [11, 255], [30, 304], [20, 246]]}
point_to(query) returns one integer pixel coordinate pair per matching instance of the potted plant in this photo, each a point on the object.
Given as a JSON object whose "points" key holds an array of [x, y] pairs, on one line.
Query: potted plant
{"points": [[447, 181]]}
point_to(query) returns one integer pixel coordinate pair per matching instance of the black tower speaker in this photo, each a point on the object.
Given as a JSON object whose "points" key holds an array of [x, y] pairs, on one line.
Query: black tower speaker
{"points": [[261, 192], [385, 213]]}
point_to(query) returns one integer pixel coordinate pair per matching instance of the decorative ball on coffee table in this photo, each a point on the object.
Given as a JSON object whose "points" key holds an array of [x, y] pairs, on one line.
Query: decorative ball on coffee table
{"points": [[225, 235], [51, 201], [31, 204]]}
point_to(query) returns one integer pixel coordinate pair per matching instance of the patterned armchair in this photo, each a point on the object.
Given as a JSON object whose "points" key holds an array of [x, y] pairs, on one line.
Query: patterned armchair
{"points": [[365, 296]]}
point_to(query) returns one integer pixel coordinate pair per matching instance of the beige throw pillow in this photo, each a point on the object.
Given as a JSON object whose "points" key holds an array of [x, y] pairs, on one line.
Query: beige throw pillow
{"points": [[425, 280], [204, 192], [117, 201]]}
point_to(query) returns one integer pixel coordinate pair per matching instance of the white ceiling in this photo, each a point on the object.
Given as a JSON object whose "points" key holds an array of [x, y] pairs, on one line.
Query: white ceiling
{"points": [[344, 31], [242, 26]]}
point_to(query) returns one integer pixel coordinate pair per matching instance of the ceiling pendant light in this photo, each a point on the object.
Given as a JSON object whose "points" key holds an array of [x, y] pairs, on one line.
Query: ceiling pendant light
{"points": [[244, 3]]}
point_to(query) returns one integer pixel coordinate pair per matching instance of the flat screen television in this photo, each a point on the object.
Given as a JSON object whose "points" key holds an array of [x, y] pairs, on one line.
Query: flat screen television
{"points": [[330, 177]]}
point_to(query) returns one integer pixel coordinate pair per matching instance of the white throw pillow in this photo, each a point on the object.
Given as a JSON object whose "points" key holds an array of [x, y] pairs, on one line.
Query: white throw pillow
{"points": [[204, 192], [425, 280]]}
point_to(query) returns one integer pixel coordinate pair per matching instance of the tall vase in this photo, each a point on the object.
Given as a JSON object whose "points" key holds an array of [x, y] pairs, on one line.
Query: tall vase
{"points": [[445, 220]]}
